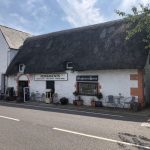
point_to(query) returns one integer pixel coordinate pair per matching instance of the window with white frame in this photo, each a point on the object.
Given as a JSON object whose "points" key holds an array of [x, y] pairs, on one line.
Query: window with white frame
{"points": [[69, 65], [87, 88], [21, 68]]}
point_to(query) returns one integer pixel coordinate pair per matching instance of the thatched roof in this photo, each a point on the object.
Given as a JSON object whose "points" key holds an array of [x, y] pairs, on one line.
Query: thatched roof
{"points": [[97, 47]]}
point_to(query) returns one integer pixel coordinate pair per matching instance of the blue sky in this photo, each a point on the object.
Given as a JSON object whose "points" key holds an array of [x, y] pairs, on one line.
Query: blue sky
{"points": [[44, 16]]}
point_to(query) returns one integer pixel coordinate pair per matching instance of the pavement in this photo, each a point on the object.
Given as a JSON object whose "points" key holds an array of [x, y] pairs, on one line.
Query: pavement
{"points": [[116, 111], [39, 126]]}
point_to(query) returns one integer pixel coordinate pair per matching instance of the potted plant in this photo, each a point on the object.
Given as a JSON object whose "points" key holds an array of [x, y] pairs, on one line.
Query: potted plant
{"points": [[79, 101], [99, 95], [99, 103], [64, 101], [75, 93]]}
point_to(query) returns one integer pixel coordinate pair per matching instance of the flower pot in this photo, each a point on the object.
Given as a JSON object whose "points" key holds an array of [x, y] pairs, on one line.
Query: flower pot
{"points": [[93, 103], [79, 102]]}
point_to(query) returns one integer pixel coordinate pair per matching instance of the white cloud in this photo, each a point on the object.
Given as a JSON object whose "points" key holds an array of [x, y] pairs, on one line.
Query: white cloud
{"points": [[40, 12], [34, 5], [34, 16], [19, 27], [14, 25], [6, 3], [18, 18], [126, 5], [81, 12], [15, 21]]}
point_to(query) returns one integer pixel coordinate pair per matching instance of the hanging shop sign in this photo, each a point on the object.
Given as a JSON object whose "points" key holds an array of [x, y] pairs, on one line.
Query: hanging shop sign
{"points": [[53, 77], [87, 78]]}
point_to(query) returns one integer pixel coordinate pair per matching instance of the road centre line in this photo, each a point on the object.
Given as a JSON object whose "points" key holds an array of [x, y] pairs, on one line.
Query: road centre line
{"points": [[102, 138], [9, 118], [71, 110], [145, 124]]}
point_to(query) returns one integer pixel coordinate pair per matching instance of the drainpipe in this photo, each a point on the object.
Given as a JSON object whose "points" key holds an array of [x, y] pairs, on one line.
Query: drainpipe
{"points": [[5, 76]]}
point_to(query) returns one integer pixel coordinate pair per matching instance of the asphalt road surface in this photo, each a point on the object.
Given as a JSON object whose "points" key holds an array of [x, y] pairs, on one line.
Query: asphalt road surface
{"points": [[50, 129]]}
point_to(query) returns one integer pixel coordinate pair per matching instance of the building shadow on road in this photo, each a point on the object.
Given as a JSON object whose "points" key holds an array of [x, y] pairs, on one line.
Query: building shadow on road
{"points": [[134, 139], [77, 111]]}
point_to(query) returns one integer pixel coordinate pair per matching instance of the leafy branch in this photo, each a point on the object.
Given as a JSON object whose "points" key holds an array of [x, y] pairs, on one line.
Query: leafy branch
{"points": [[139, 21]]}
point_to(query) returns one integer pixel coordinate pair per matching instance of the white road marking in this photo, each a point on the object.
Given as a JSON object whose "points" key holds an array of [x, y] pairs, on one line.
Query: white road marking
{"points": [[87, 112], [145, 124], [102, 138], [14, 119]]}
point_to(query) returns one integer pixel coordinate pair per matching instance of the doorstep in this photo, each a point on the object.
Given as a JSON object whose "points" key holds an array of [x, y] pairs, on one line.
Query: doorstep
{"points": [[119, 111]]}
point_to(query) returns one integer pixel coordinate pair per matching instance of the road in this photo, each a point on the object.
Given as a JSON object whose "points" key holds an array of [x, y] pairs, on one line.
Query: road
{"points": [[54, 129]]}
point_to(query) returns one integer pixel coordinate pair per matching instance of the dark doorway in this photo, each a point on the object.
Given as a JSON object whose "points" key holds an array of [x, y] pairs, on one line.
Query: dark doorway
{"points": [[21, 86], [50, 85]]}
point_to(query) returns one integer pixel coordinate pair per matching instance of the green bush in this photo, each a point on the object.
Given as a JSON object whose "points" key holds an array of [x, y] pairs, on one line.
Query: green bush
{"points": [[99, 95]]}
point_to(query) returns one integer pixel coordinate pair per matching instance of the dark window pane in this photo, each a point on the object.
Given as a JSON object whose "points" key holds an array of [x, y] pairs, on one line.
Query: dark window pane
{"points": [[87, 88], [50, 85]]}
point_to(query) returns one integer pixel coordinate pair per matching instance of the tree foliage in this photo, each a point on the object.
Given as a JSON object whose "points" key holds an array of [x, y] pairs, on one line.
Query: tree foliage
{"points": [[139, 21]]}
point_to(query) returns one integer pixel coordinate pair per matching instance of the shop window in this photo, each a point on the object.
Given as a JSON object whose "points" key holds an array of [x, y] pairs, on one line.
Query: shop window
{"points": [[21, 68], [87, 88]]}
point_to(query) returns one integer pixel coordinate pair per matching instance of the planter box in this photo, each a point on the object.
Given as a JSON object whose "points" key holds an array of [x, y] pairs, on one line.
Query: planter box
{"points": [[79, 102], [96, 104]]}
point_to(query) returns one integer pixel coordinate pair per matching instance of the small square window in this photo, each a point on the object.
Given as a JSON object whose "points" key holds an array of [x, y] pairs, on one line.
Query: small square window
{"points": [[21, 68], [69, 65]]}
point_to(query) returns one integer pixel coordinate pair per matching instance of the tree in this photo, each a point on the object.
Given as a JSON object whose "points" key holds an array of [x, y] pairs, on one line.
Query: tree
{"points": [[139, 21]]}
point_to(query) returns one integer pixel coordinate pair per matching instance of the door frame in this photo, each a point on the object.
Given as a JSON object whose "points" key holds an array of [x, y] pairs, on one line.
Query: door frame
{"points": [[18, 77], [23, 87], [53, 85]]}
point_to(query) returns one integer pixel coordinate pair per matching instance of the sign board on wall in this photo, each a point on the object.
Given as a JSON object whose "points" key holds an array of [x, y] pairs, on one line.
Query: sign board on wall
{"points": [[87, 78], [53, 77]]}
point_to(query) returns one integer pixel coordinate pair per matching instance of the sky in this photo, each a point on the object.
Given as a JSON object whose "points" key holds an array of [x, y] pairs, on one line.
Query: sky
{"points": [[45, 16]]}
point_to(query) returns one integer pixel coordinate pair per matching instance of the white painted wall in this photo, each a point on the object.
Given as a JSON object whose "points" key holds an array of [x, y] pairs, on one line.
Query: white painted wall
{"points": [[147, 82], [10, 55], [3, 56], [12, 82], [6, 56], [112, 82]]}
